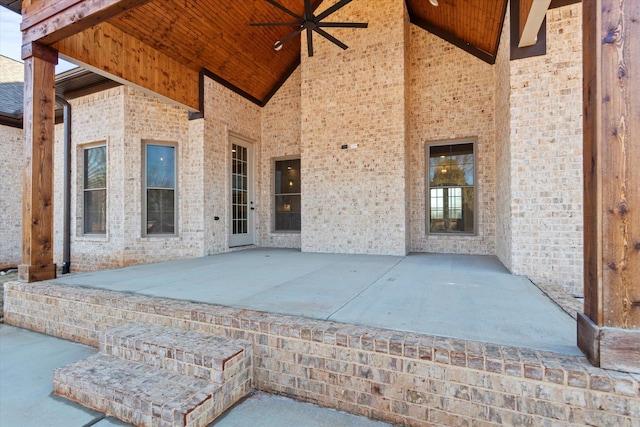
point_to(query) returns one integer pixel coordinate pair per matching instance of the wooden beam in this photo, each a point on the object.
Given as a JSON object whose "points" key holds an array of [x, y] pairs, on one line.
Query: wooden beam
{"points": [[612, 184], [48, 21], [539, 48], [37, 192], [561, 3], [523, 14], [106, 50], [487, 57], [532, 15]]}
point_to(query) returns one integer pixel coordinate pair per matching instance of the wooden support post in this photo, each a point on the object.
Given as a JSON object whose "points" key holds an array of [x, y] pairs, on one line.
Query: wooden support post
{"points": [[609, 329], [37, 191]]}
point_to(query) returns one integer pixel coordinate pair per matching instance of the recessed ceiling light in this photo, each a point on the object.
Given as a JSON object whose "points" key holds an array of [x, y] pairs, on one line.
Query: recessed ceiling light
{"points": [[433, 2]]}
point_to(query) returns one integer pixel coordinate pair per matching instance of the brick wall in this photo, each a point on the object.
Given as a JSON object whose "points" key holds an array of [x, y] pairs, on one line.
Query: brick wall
{"points": [[11, 160], [503, 148], [404, 378], [546, 156], [123, 118], [281, 126], [149, 119], [225, 113], [96, 119], [354, 200], [452, 96]]}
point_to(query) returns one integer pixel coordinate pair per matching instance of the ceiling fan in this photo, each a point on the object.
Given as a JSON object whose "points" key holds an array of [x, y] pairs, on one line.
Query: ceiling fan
{"points": [[311, 23]]}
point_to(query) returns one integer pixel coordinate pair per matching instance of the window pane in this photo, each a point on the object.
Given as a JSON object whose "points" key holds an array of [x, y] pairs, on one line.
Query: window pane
{"points": [[437, 206], [160, 166], [287, 189], [95, 193], [288, 213], [455, 203], [160, 211], [451, 165], [95, 208], [451, 192], [287, 176], [95, 167]]}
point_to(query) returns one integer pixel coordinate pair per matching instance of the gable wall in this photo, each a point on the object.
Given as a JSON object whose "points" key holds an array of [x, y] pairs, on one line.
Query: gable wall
{"points": [[354, 199], [452, 97], [281, 126]]}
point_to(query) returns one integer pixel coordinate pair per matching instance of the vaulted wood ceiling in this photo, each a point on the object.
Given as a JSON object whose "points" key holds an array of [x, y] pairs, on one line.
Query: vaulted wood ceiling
{"points": [[215, 34]]}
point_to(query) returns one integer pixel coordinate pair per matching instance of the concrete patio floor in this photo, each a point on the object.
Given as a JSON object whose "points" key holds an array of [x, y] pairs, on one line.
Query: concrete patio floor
{"points": [[27, 362], [460, 296]]}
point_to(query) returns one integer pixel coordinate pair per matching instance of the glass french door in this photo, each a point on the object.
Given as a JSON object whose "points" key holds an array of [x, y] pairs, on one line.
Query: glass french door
{"points": [[242, 206]]}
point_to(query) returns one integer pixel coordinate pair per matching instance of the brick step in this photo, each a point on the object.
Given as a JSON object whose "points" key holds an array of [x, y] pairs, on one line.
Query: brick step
{"points": [[185, 352], [150, 375], [140, 394]]}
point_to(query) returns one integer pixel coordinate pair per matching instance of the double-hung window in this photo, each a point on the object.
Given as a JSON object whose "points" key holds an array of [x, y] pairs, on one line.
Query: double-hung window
{"points": [[95, 190], [451, 188], [160, 188], [287, 195]]}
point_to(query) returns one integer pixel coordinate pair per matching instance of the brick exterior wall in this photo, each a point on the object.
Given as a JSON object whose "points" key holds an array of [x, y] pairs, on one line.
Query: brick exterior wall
{"points": [[503, 148], [149, 119], [11, 159], [281, 128], [123, 119], [546, 156], [404, 378], [452, 97], [354, 200], [96, 119], [225, 113]]}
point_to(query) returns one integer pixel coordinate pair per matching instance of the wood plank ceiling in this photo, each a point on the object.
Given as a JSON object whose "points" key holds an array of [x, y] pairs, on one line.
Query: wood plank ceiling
{"points": [[215, 34]]}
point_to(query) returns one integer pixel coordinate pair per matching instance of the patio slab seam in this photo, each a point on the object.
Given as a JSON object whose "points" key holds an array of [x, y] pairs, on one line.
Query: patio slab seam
{"points": [[383, 274]]}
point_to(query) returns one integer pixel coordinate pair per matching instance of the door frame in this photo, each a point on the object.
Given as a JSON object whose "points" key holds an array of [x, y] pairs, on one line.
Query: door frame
{"points": [[248, 239]]}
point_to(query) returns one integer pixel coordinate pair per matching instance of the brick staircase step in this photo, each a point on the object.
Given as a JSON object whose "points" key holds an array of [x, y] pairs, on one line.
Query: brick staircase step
{"points": [[138, 393], [185, 352], [150, 375]]}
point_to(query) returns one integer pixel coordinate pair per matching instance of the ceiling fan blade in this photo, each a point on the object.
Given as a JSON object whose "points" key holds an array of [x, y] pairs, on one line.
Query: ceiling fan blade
{"points": [[310, 42], [279, 43], [285, 10], [332, 9], [308, 12], [329, 37], [274, 24], [344, 24]]}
